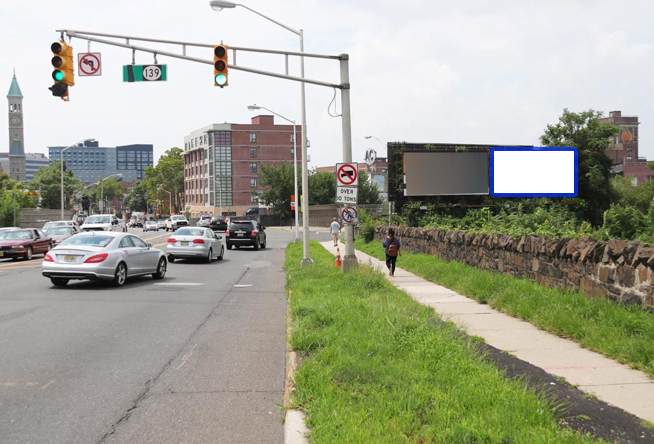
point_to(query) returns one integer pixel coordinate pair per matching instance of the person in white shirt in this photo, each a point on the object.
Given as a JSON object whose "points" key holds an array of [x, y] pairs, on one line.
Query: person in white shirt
{"points": [[335, 229]]}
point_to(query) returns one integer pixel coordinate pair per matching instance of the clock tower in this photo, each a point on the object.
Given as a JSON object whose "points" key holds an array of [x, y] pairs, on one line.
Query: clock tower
{"points": [[16, 137]]}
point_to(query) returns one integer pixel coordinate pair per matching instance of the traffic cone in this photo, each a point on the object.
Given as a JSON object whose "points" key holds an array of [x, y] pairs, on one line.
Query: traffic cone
{"points": [[338, 257]]}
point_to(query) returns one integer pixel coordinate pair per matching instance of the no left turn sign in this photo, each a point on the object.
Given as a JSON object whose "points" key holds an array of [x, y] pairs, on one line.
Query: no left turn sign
{"points": [[347, 174], [89, 64]]}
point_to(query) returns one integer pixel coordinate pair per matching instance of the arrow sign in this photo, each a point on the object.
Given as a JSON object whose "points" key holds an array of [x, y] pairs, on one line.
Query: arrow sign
{"points": [[89, 64], [347, 174]]}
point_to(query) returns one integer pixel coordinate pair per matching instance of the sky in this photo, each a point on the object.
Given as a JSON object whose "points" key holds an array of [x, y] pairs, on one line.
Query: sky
{"points": [[423, 71]]}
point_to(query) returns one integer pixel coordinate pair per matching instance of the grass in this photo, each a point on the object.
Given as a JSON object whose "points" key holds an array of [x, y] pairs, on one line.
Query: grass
{"points": [[625, 334], [378, 367]]}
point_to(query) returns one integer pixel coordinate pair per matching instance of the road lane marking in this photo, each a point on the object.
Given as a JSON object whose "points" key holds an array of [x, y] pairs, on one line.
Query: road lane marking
{"points": [[47, 385], [186, 357], [181, 283], [242, 285]]}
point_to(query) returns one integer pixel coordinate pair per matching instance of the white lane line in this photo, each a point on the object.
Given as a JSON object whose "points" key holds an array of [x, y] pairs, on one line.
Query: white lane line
{"points": [[181, 283], [242, 285]]}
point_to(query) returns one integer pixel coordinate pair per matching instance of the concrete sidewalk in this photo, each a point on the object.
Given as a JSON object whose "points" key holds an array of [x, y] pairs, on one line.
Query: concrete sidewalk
{"points": [[610, 381]]}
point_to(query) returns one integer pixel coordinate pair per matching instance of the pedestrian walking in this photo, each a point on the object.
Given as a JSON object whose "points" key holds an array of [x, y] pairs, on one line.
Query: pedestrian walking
{"points": [[392, 246], [335, 230]]}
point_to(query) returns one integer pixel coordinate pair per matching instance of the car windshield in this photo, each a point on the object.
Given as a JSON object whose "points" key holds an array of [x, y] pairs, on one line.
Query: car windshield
{"points": [[189, 232], [98, 220], [60, 230], [150, 222], [178, 218], [49, 225], [15, 235], [95, 241]]}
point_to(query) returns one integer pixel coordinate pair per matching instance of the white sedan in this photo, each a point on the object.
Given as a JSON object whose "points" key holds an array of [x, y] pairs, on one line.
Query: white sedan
{"points": [[106, 255], [195, 242]]}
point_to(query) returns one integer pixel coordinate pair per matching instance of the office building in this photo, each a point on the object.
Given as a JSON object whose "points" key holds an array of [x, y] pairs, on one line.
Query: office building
{"points": [[90, 162], [222, 163], [34, 162]]}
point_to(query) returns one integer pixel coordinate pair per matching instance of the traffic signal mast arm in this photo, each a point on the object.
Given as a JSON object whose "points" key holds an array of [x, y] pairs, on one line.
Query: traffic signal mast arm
{"points": [[88, 36]]}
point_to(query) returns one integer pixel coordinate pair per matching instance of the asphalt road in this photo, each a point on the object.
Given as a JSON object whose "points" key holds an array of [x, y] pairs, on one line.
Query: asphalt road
{"points": [[198, 357]]}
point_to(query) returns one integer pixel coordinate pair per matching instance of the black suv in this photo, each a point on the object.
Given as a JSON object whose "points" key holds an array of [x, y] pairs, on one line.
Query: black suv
{"points": [[218, 223], [246, 233]]}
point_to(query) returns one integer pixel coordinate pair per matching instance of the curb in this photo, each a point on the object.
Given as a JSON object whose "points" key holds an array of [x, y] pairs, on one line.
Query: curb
{"points": [[295, 430]]}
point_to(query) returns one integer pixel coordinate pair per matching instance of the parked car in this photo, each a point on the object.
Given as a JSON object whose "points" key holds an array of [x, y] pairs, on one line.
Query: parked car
{"points": [[23, 243], [161, 223], [218, 223], [195, 242], [150, 225], [174, 222], [246, 233], [101, 222], [108, 256], [60, 234], [57, 223], [204, 221]]}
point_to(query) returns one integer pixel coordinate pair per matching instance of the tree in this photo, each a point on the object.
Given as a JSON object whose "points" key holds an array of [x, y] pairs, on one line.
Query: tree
{"points": [[167, 175], [136, 199], [368, 191], [322, 188], [591, 138], [108, 189], [47, 181], [280, 179]]}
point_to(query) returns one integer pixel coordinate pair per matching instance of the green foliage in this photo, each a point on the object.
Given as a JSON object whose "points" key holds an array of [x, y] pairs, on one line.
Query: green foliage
{"points": [[368, 191], [623, 222], [47, 181], [136, 199], [322, 187], [108, 189], [280, 180], [167, 175]]}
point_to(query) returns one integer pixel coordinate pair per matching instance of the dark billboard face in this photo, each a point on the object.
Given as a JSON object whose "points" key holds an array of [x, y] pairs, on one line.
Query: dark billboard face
{"points": [[433, 173]]}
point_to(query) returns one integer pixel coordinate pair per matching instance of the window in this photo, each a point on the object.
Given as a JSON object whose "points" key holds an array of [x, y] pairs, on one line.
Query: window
{"points": [[253, 183], [253, 137], [628, 158], [138, 242], [292, 137], [253, 152], [292, 153], [253, 167], [254, 197], [126, 242]]}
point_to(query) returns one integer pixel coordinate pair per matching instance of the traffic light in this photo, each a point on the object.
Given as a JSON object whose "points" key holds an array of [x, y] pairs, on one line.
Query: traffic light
{"points": [[63, 74], [220, 65]]}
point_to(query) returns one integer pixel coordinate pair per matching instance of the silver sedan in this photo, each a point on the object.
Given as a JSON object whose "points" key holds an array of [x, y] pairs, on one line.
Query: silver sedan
{"points": [[195, 242], [104, 255]]}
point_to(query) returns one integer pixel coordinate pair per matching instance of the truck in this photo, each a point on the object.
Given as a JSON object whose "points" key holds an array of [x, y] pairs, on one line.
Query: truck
{"points": [[137, 219]]}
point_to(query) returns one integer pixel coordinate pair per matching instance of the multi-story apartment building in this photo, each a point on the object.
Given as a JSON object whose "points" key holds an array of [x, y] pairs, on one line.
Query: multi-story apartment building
{"points": [[623, 148], [222, 163], [90, 162]]}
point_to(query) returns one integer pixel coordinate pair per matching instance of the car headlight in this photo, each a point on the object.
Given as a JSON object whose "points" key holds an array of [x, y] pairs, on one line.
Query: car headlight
{"points": [[18, 247]]}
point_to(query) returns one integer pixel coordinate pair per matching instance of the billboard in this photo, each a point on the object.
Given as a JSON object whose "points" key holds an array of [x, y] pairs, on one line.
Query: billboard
{"points": [[438, 173]]}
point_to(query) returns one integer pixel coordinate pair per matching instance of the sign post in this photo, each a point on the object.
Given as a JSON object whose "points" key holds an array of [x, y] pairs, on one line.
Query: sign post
{"points": [[89, 64]]}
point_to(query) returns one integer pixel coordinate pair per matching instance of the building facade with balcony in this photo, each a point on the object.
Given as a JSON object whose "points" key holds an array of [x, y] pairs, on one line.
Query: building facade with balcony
{"points": [[90, 162], [222, 163]]}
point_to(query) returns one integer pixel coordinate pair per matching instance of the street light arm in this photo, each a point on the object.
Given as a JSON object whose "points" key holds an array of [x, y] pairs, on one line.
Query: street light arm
{"points": [[272, 20], [273, 112]]}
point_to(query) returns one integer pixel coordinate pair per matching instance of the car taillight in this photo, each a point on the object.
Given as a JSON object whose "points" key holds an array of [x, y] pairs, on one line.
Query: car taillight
{"points": [[226, 232], [172, 240], [198, 241], [254, 232], [48, 258], [97, 258]]}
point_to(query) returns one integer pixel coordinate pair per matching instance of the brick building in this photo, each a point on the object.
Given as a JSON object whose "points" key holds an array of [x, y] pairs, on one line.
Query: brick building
{"points": [[623, 148], [222, 163]]}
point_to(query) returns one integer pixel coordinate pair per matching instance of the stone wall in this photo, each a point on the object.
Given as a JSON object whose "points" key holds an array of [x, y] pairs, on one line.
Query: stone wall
{"points": [[620, 270]]}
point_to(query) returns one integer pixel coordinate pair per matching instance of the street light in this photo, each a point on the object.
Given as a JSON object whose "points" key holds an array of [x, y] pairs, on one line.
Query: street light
{"points": [[219, 5], [297, 201], [61, 163]]}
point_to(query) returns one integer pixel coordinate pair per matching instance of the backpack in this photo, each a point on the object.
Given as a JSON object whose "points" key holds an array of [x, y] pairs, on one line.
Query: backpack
{"points": [[392, 249]]}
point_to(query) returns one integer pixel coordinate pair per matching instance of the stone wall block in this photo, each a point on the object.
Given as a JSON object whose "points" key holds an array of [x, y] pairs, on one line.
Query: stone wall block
{"points": [[615, 248], [629, 251], [626, 276]]}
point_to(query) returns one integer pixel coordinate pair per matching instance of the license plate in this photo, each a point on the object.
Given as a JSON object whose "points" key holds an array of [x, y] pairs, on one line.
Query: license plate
{"points": [[184, 243], [240, 234], [2, 253], [68, 258]]}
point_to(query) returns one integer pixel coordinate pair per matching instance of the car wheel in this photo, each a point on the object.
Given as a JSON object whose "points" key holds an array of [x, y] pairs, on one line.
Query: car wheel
{"points": [[28, 255], [120, 276], [161, 269], [222, 253], [229, 246], [263, 245], [59, 282], [171, 259], [256, 244], [209, 257]]}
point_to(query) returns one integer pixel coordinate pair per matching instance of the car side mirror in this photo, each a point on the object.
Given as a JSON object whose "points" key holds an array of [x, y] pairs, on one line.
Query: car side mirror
{"points": [[219, 237], [149, 245]]}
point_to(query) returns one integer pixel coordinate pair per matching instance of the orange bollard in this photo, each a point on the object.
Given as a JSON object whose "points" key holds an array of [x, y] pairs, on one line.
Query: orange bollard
{"points": [[338, 258]]}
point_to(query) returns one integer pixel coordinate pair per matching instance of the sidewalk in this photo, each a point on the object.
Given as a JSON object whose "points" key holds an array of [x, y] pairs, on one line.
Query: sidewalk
{"points": [[610, 381]]}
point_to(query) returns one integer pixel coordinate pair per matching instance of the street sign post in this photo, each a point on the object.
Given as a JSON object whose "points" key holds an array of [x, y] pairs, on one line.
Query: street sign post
{"points": [[145, 73], [350, 215], [89, 64], [347, 174], [347, 195]]}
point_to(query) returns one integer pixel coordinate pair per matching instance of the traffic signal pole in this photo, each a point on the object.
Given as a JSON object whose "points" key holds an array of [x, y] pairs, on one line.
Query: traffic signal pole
{"points": [[350, 258]]}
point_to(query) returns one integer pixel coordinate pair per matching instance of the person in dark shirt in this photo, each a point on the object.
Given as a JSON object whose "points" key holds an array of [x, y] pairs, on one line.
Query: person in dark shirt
{"points": [[392, 246]]}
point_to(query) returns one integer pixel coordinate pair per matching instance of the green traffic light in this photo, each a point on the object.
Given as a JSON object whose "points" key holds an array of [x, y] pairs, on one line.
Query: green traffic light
{"points": [[58, 75], [220, 79]]}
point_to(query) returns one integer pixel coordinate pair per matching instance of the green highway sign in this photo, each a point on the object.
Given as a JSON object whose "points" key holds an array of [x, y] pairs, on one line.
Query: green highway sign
{"points": [[144, 73]]}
